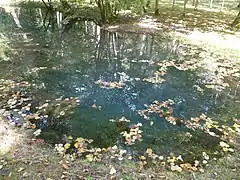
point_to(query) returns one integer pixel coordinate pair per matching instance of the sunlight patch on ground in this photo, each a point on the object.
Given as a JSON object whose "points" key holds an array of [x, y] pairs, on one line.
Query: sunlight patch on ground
{"points": [[9, 137], [5, 2], [112, 27], [149, 23], [213, 38]]}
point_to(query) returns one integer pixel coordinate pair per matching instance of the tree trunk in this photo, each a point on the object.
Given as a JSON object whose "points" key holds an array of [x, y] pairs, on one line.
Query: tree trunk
{"points": [[173, 4], [222, 5], [184, 8], [196, 4], [156, 8], [193, 2], [237, 19], [108, 10], [211, 1]]}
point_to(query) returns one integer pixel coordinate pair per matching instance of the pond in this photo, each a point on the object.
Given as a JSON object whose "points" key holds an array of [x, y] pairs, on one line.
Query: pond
{"points": [[79, 59]]}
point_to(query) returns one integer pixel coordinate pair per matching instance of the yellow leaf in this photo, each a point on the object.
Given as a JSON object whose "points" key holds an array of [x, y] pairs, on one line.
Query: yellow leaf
{"points": [[80, 139], [186, 165], [98, 150], [104, 150], [82, 150], [140, 165], [225, 149], [149, 152], [194, 168], [176, 168], [163, 163], [33, 126], [67, 146], [76, 145], [70, 137], [236, 125], [208, 124], [223, 144], [142, 157], [89, 157]]}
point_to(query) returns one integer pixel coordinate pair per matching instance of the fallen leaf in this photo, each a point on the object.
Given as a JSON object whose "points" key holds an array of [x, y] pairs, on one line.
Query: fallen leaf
{"points": [[37, 132], [142, 157], [26, 174], [112, 171], [67, 146], [223, 144], [20, 169], [89, 157], [65, 166], [63, 176]]}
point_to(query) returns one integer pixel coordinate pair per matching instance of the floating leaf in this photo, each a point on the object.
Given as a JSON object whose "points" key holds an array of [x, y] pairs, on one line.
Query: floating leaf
{"points": [[70, 137], [142, 157], [149, 152], [67, 146]]}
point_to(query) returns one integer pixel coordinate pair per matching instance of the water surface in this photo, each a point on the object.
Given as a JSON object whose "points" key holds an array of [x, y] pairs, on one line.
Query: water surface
{"points": [[68, 58]]}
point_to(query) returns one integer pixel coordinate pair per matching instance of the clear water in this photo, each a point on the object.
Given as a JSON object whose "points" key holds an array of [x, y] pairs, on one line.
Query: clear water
{"points": [[74, 56]]}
